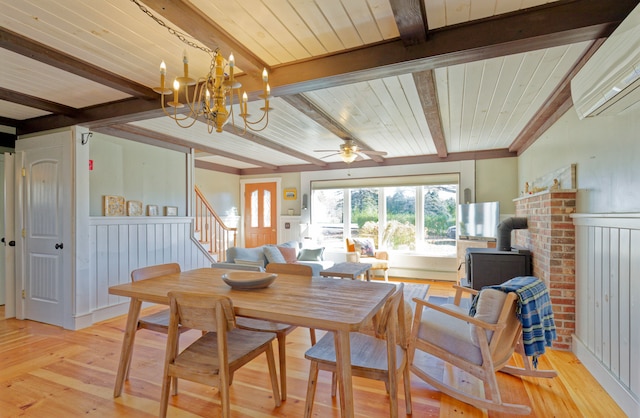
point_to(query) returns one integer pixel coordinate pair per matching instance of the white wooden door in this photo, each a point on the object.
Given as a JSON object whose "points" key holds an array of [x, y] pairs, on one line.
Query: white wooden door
{"points": [[9, 236], [3, 276], [43, 232]]}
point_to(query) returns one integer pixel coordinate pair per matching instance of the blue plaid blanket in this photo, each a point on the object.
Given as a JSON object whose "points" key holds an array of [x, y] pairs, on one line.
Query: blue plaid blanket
{"points": [[534, 311]]}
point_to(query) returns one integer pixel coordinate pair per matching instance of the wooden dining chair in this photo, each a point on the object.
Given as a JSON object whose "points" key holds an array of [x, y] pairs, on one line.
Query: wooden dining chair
{"points": [[158, 321], [218, 353], [281, 330], [382, 356]]}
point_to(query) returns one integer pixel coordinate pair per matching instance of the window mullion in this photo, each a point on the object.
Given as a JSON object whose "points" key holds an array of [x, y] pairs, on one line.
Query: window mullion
{"points": [[382, 215], [346, 214], [419, 217]]}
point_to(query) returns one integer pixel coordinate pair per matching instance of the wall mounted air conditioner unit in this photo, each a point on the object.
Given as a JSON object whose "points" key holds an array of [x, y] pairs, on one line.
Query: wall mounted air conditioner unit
{"points": [[609, 83]]}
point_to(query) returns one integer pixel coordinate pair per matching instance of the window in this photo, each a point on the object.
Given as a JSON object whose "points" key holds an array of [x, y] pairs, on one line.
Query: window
{"points": [[405, 217], [328, 217]]}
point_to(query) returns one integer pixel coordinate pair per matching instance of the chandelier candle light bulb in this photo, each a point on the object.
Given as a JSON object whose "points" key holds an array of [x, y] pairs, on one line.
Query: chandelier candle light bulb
{"points": [[185, 62], [245, 99], [163, 72]]}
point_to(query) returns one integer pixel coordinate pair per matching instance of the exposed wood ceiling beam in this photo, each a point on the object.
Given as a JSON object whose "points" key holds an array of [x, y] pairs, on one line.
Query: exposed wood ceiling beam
{"points": [[191, 20], [135, 133], [206, 165], [94, 116], [411, 20], [306, 106], [39, 52], [556, 106], [249, 136], [419, 159], [35, 102], [426, 86], [14, 123]]}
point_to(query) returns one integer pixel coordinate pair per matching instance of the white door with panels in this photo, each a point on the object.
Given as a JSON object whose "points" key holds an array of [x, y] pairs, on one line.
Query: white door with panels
{"points": [[45, 224], [8, 247]]}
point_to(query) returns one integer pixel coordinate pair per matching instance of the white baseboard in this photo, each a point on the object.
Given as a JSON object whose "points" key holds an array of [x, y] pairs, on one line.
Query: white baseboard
{"points": [[611, 385], [109, 312]]}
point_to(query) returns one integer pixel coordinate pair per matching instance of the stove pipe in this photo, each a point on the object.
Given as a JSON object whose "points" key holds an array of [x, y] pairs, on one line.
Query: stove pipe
{"points": [[504, 232]]}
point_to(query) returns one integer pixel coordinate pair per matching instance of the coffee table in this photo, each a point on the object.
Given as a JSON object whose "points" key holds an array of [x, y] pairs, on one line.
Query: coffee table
{"points": [[348, 270]]}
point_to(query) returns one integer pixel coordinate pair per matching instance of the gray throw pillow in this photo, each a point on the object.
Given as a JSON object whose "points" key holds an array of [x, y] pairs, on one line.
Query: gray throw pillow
{"points": [[490, 302], [273, 254], [309, 254]]}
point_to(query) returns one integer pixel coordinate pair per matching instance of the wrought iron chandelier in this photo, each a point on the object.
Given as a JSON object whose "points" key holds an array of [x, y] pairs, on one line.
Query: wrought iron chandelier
{"points": [[206, 97]]}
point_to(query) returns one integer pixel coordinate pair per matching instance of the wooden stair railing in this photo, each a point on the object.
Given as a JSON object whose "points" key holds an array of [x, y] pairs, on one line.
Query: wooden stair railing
{"points": [[214, 235]]}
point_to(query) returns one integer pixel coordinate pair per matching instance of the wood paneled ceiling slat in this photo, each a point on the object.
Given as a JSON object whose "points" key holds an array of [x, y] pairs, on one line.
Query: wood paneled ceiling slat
{"points": [[129, 131], [553, 108], [260, 140], [37, 51], [35, 102], [183, 14], [13, 113], [327, 121]]}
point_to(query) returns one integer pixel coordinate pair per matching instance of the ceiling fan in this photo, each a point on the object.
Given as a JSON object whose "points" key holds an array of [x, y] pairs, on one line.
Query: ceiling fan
{"points": [[350, 151]]}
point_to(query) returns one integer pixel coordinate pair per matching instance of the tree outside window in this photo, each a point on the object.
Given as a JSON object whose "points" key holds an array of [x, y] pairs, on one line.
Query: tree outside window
{"points": [[403, 218]]}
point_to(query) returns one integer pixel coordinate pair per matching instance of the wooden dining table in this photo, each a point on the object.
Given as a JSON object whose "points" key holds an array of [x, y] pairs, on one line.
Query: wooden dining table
{"points": [[339, 306]]}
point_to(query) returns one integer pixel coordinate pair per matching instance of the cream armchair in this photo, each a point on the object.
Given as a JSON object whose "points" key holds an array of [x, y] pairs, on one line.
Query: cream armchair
{"points": [[363, 251]]}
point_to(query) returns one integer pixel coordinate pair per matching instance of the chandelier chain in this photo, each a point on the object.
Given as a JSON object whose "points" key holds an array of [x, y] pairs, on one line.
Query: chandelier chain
{"points": [[209, 93], [176, 33]]}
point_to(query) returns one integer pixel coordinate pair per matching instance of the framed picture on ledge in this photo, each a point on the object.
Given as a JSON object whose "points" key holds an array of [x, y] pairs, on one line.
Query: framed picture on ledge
{"points": [[152, 210], [170, 211], [290, 194]]}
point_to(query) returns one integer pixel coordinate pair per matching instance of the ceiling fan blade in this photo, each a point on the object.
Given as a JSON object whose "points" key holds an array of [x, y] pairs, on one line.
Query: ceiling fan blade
{"points": [[325, 150], [371, 152], [330, 155]]}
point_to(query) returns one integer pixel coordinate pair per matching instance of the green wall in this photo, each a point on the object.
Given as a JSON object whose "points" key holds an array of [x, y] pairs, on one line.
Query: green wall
{"points": [[153, 175]]}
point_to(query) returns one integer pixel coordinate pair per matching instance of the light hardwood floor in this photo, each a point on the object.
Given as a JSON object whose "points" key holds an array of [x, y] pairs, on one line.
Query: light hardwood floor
{"points": [[46, 371]]}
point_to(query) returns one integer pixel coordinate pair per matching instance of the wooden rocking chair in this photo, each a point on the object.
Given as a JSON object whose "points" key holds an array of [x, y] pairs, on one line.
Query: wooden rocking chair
{"points": [[480, 345]]}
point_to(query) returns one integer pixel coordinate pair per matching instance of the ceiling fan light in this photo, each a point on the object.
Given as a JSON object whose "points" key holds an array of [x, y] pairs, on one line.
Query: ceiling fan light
{"points": [[349, 157]]}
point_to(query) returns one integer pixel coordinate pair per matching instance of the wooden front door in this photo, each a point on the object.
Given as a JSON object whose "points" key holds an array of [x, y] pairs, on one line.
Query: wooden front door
{"points": [[260, 208]]}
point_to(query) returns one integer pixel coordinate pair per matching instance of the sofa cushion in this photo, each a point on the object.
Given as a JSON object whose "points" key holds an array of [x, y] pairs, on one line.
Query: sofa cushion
{"points": [[488, 308], [251, 254], [449, 333], [289, 254], [259, 263], [273, 254], [234, 266], [309, 254]]}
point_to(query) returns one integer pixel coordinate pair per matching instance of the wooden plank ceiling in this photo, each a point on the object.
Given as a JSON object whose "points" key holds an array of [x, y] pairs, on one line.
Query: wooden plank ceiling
{"points": [[421, 80]]}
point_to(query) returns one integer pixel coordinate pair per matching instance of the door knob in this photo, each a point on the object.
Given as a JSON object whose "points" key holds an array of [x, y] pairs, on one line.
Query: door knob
{"points": [[12, 243], [59, 246]]}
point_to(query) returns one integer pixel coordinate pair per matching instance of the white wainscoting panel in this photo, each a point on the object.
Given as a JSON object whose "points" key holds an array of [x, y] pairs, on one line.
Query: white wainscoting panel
{"points": [[120, 245], [293, 232], [608, 303]]}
